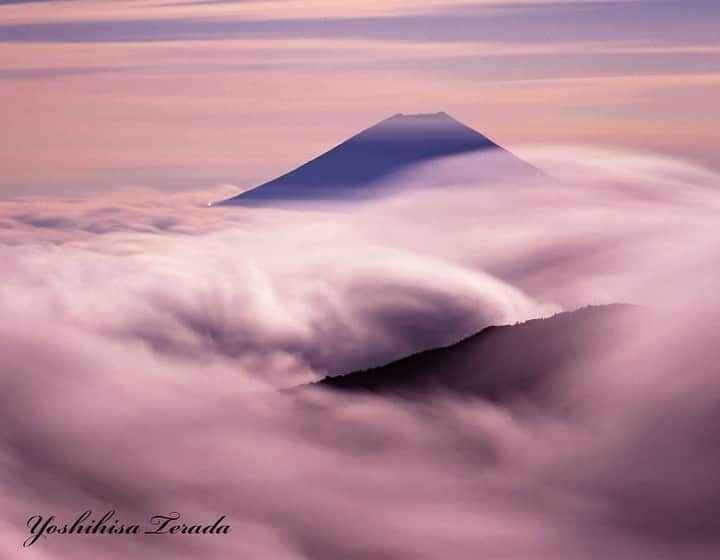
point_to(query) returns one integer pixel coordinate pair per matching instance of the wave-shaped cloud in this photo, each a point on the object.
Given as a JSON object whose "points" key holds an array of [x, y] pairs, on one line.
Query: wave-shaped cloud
{"points": [[143, 336]]}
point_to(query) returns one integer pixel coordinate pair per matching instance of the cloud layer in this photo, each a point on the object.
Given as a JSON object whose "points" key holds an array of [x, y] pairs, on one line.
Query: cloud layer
{"points": [[144, 336]]}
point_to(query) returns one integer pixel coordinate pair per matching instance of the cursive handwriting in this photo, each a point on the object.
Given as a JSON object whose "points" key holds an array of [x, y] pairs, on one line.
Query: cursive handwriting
{"points": [[108, 524]]}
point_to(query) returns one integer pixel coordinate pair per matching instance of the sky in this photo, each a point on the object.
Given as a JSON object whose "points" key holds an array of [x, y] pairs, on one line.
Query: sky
{"points": [[185, 94]]}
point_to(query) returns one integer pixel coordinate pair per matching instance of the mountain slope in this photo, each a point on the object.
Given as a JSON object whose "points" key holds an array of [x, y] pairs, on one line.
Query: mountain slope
{"points": [[351, 169], [499, 361]]}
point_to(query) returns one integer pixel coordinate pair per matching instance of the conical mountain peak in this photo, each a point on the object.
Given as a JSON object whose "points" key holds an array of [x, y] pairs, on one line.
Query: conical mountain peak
{"points": [[354, 168]]}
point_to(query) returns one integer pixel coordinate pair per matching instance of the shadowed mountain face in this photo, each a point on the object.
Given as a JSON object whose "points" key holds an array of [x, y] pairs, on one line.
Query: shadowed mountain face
{"points": [[499, 362], [352, 169]]}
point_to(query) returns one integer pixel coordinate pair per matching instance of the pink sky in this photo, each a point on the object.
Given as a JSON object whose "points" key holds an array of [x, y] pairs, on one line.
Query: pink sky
{"points": [[179, 95]]}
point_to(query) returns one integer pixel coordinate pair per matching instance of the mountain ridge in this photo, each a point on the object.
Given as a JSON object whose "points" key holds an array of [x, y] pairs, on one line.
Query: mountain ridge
{"points": [[499, 361]]}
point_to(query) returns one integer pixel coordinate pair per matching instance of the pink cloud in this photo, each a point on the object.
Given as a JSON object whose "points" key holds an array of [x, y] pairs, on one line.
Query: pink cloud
{"points": [[145, 334]]}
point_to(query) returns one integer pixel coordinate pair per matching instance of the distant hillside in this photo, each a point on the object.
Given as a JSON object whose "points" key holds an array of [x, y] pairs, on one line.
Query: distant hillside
{"points": [[500, 361]]}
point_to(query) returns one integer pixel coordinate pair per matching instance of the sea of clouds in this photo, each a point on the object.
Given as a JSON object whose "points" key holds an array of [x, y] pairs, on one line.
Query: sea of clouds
{"points": [[144, 338]]}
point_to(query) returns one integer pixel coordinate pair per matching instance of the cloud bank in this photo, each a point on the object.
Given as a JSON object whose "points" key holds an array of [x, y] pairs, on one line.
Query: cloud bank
{"points": [[144, 336]]}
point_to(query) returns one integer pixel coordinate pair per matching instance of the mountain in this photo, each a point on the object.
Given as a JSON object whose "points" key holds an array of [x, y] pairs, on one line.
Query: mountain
{"points": [[351, 169], [500, 362]]}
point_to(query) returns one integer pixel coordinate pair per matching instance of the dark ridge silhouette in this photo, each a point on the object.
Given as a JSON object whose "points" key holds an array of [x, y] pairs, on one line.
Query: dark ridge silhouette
{"points": [[498, 362], [351, 169]]}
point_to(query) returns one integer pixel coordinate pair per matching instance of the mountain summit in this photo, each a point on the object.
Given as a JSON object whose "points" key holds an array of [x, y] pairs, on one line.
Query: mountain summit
{"points": [[352, 168]]}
